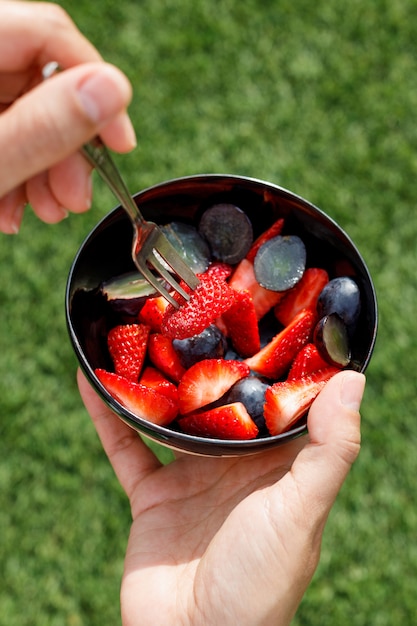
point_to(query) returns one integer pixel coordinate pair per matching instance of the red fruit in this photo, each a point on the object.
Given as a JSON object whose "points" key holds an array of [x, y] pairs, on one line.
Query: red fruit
{"points": [[151, 377], [286, 402], [307, 361], [220, 270], [163, 356], [303, 296], [152, 312], [243, 279], [230, 421], [270, 233], [127, 347], [210, 299], [207, 381], [276, 357], [242, 325], [143, 401]]}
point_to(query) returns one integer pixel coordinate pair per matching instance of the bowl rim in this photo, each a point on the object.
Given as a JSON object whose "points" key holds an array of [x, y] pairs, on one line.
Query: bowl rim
{"points": [[162, 434]]}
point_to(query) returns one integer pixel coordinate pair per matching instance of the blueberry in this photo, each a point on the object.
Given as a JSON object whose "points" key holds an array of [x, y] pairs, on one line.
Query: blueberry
{"points": [[228, 231], [209, 344], [280, 262], [342, 296], [250, 391]]}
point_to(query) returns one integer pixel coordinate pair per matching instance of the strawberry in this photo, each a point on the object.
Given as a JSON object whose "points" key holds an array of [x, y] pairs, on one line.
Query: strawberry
{"points": [[230, 421], [210, 299], [151, 377], [127, 347], [141, 400], [286, 402], [303, 296], [242, 325], [163, 356], [276, 357], [243, 278], [271, 232], [220, 270], [152, 312], [207, 381], [307, 361]]}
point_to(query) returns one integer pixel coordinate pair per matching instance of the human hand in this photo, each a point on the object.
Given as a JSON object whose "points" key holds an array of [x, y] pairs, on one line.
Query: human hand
{"points": [[43, 124], [229, 540]]}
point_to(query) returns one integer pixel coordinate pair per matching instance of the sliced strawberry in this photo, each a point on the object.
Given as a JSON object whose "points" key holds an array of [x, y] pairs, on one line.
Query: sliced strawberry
{"points": [[242, 325], [276, 357], [220, 270], [152, 312], [243, 279], [307, 361], [143, 401], [151, 377], [230, 421], [210, 299], [127, 346], [286, 402], [303, 296], [207, 381], [270, 233], [163, 356]]}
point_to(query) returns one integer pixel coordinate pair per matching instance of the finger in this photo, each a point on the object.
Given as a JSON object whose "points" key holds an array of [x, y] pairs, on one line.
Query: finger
{"points": [[289, 515], [33, 33], [70, 183], [42, 200], [119, 134], [53, 120], [12, 207], [12, 85], [334, 433], [130, 457]]}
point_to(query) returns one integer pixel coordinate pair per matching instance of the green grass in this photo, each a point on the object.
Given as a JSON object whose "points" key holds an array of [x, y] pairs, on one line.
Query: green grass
{"points": [[320, 98]]}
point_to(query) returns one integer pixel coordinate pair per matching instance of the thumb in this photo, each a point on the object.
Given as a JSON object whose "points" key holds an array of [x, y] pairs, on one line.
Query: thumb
{"points": [[334, 433], [54, 119]]}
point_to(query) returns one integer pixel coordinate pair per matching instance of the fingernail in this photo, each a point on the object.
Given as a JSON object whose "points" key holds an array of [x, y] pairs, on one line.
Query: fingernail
{"points": [[101, 95], [17, 218], [89, 191], [64, 213], [351, 393], [129, 131]]}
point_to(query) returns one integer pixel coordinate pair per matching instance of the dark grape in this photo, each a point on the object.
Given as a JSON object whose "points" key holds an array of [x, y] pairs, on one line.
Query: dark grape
{"points": [[228, 231], [189, 243], [249, 391], [342, 296], [280, 262], [332, 341], [127, 293], [209, 344]]}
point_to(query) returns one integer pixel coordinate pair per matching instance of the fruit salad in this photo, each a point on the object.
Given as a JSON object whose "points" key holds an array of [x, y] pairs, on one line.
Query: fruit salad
{"points": [[249, 351]]}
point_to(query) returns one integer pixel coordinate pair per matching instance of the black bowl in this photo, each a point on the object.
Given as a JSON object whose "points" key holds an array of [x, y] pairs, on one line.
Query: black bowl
{"points": [[106, 253]]}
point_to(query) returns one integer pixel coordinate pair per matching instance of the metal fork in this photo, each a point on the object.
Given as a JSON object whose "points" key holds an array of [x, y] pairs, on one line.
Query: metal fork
{"points": [[150, 245], [149, 242]]}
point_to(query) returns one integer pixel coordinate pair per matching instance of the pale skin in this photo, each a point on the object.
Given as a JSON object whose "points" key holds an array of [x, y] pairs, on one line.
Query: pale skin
{"points": [[232, 541], [43, 124]]}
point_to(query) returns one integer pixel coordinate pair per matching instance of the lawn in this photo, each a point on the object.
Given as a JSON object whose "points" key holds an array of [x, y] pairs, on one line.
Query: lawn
{"points": [[320, 98]]}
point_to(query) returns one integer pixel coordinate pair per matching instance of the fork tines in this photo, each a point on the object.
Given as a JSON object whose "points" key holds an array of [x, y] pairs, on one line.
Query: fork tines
{"points": [[156, 250]]}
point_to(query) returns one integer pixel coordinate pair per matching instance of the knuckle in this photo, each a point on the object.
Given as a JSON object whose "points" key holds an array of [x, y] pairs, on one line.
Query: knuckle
{"points": [[45, 138], [56, 17]]}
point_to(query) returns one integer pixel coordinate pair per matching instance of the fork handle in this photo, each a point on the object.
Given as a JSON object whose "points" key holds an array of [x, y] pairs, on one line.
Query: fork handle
{"points": [[99, 157]]}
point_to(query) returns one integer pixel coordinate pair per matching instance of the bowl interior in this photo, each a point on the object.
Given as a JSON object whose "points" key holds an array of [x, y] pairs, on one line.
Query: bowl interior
{"points": [[106, 253]]}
